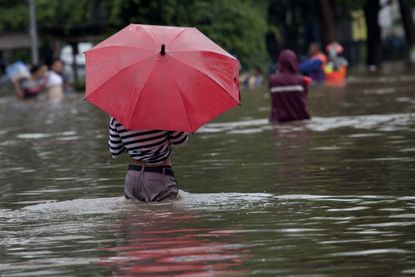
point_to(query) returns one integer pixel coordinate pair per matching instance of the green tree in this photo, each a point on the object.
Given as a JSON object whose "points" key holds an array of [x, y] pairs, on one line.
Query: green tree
{"points": [[13, 15], [238, 26], [287, 20]]}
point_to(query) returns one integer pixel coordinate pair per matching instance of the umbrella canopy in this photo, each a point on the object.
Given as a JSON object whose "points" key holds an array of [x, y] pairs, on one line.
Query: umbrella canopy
{"points": [[160, 77]]}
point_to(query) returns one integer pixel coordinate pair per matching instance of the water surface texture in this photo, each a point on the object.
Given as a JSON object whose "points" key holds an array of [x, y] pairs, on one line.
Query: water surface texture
{"points": [[332, 196]]}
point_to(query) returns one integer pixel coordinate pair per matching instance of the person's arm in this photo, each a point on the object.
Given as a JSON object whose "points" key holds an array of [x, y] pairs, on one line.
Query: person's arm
{"points": [[177, 138], [310, 65], [115, 144], [307, 81], [18, 88]]}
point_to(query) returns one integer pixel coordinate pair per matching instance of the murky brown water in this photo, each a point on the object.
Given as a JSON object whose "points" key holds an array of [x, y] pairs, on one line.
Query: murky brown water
{"points": [[332, 196]]}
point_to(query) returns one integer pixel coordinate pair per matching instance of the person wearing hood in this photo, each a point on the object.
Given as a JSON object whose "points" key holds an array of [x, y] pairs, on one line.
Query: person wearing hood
{"points": [[288, 89]]}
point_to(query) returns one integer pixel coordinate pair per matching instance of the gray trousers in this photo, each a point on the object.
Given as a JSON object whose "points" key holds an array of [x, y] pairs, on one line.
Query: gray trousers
{"points": [[150, 186]]}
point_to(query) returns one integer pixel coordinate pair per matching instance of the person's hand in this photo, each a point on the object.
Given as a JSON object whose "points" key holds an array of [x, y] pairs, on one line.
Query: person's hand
{"points": [[17, 89], [307, 80]]}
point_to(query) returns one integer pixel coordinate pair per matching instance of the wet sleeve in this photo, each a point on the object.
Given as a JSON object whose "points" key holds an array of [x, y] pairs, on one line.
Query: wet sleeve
{"points": [[310, 65], [178, 138], [115, 143]]}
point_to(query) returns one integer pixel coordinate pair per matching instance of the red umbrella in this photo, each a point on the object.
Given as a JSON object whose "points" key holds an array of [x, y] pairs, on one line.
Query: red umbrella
{"points": [[163, 78]]}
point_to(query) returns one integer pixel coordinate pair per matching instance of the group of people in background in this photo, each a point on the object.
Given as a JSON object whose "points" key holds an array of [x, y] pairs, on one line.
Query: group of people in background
{"points": [[289, 85], [30, 82], [321, 68]]}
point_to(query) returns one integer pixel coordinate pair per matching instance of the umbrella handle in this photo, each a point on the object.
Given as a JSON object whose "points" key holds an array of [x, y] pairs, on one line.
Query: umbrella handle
{"points": [[163, 50]]}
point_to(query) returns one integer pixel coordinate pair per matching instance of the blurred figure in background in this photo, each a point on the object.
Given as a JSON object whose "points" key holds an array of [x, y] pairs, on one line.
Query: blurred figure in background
{"points": [[31, 86], [252, 79], [314, 66], [55, 83], [256, 79], [336, 67], [288, 90]]}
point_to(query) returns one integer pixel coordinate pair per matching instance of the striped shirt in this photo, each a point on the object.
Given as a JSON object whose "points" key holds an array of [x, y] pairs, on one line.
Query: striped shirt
{"points": [[149, 146]]}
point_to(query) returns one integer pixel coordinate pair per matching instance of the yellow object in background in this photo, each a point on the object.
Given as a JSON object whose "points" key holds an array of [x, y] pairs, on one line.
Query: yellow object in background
{"points": [[359, 28], [328, 68]]}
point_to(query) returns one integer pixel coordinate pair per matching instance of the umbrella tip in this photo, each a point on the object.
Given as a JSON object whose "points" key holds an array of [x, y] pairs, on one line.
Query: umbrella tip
{"points": [[163, 50]]}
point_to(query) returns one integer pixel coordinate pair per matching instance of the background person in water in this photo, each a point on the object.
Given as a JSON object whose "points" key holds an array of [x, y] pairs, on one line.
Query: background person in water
{"points": [[30, 87], [54, 86], [288, 89], [314, 66]]}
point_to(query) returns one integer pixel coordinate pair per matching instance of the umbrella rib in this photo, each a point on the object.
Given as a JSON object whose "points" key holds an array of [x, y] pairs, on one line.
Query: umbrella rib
{"points": [[178, 35], [227, 55], [207, 75], [150, 35], [114, 75], [181, 98], [115, 46]]}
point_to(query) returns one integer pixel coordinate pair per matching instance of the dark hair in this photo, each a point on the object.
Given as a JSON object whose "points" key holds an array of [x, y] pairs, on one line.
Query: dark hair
{"points": [[34, 68], [57, 60]]}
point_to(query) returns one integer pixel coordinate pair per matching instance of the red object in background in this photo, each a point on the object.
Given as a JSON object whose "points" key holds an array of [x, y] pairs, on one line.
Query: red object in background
{"points": [[335, 46], [159, 77], [337, 78]]}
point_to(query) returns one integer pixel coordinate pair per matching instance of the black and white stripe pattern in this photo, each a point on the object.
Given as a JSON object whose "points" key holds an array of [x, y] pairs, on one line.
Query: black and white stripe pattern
{"points": [[149, 146]]}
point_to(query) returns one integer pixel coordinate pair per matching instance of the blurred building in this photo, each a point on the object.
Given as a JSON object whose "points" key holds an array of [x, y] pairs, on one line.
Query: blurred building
{"points": [[10, 42], [393, 34]]}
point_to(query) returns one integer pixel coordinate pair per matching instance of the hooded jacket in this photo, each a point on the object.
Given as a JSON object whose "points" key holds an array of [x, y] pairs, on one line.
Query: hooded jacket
{"points": [[288, 89]]}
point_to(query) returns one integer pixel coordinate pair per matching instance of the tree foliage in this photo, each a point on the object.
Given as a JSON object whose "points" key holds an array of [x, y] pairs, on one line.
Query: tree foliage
{"points": [[242, 27], [238, 26], [13, 15]]}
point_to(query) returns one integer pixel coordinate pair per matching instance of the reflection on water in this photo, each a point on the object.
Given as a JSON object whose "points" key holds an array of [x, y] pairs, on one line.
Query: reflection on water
{"points": [[224, 234], [152, 242], [150, 237], [330, 196], [181, 252]]}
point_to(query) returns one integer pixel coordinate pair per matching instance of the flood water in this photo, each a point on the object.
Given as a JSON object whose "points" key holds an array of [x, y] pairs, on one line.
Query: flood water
{"points": [[332, 196]]}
